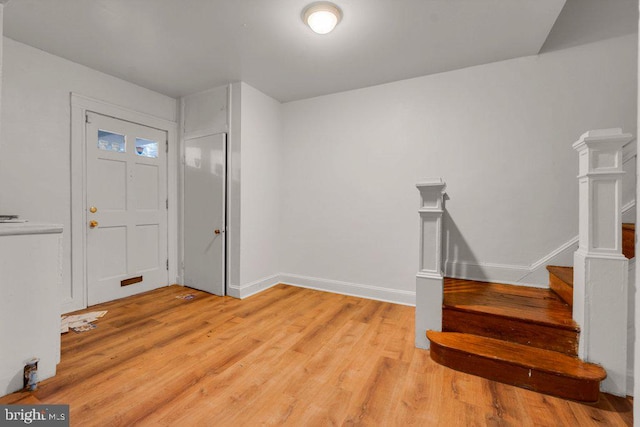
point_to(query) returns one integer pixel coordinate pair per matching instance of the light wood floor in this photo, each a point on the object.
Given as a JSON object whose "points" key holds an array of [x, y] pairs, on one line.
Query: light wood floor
{"points": [[287, 356]]}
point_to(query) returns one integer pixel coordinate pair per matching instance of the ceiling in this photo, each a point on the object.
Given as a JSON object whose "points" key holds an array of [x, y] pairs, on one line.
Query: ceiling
{"points": [[185, 46]]}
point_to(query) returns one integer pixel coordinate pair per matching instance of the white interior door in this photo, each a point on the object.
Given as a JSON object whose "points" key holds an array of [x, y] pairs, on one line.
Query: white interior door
{"points": [[126, 202], [204, 213]]}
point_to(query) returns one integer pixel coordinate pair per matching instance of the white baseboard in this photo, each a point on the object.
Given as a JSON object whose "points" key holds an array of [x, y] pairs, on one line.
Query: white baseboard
{"points": [[629, 383], [353, 289], [252, 288]]}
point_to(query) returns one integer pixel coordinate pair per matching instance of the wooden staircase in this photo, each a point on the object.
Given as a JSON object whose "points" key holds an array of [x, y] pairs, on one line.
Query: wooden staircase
{"points": [[519, 335]]}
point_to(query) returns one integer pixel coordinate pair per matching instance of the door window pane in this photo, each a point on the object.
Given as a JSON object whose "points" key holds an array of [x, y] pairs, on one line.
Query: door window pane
{"points": [[146, 148], [110, 141]]}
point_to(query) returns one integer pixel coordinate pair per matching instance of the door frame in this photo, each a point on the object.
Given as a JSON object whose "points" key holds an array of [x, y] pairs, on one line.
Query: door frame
{"points": [[80, 105], [225, 189]]}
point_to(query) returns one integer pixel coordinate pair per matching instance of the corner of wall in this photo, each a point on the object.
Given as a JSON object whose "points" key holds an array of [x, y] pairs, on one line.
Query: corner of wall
{"points": [[253, 288], [234, 159]]}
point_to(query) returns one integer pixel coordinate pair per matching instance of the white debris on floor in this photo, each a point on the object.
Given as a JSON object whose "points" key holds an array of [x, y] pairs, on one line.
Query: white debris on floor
{"points": [[80, 322]]}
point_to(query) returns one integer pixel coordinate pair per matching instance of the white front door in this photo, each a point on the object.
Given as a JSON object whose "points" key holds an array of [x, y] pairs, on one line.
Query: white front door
{"points": [[204, 213], [126, 202]]}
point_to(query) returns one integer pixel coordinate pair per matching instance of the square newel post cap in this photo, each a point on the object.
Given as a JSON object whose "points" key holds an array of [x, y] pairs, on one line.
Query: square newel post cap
{"points": [[435, 185], [432, 192], [592, 138], [600, 152]]}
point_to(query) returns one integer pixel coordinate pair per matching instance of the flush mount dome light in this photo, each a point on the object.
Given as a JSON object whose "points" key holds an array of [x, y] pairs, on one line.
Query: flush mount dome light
{"points": [[322, 17]]}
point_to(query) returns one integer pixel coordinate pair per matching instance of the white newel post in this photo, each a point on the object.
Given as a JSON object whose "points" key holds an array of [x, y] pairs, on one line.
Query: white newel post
{"points": [[600, 269], [429, 280]]}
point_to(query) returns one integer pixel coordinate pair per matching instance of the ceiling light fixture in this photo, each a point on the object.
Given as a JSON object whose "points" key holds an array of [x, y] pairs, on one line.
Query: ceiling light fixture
{"points": [[322, 16]]}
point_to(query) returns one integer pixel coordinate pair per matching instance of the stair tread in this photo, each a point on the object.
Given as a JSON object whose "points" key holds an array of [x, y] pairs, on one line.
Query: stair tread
{"points": [[628, 226], [524, 303], [519, 354]]}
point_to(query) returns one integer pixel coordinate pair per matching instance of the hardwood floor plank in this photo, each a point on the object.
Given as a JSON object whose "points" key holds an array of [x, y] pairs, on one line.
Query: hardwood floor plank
{"points": [[420, 402], [381, 394], [332, 355], [317, 405], [325, 327], [287, 356], [250, 372]]}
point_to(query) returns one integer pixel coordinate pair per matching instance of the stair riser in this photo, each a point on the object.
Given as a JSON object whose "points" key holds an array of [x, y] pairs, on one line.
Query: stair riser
{"points": [[491, 326], [563, 289], [628, 242], [543, 382]]}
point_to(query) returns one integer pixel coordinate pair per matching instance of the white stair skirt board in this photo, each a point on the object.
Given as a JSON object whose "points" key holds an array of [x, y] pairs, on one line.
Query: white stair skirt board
{"points": [[394, 296], [252, 288]]}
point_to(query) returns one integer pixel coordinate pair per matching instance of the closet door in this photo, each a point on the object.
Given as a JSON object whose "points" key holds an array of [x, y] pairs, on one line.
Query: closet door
{"points": [[204, 213]]}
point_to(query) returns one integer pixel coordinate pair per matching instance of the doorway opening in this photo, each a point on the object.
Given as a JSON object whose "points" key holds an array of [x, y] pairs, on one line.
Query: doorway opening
{"points": [[142, 148]]}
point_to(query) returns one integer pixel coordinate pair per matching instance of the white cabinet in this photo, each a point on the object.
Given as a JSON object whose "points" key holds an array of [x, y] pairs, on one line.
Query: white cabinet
{"points": [[30, 306]]}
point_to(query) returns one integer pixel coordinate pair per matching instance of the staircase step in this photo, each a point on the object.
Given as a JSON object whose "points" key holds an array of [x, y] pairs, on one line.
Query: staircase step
{"points": [[532, 368], [629, 240], [519, 314], [561, 282]]}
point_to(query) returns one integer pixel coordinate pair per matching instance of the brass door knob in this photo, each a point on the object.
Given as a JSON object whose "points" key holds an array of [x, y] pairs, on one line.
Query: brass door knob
{"points": [[217, 231], [93, 209], [93, 224]]}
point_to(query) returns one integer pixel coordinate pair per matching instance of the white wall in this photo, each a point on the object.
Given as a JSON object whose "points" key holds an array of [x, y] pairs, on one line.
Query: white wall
{"points": [[35, 151], [261, 140], [499, 134], [1, 45], [636, 295]]}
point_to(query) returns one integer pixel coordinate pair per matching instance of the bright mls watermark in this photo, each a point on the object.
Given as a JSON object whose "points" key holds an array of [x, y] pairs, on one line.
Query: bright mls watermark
{"points": [[37, 415]]}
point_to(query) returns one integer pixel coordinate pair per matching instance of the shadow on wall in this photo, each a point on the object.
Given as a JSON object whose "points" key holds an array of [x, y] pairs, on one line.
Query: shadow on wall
{"points": [[459, 260]]}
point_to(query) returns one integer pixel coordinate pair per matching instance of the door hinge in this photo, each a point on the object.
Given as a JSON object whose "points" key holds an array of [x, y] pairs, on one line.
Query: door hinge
{"points": [[167, 203], [166, 146], [86, 118], [167, 264]]}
